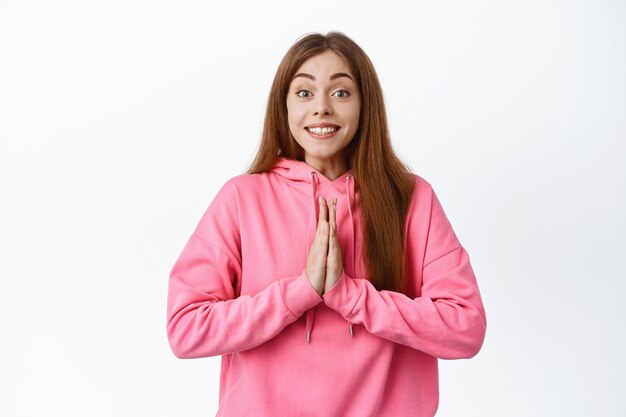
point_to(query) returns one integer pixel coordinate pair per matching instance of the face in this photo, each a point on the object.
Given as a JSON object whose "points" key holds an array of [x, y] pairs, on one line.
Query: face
{"points": [[323, 105]]}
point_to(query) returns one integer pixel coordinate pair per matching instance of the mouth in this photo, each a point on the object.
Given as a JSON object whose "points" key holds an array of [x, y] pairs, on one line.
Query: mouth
{"points": [[322, 131]]}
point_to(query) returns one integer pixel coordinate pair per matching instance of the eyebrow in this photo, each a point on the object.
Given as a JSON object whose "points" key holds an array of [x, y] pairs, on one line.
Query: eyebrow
{"points": [[332, 77]]}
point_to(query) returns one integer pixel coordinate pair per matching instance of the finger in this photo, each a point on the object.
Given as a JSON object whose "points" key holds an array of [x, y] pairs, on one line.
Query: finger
{"points": [[323, 216], [322, 243], [319, 203], [334, 238], [332, 217], [332, 235], [323, 229], [335, 214], [326, 235], [319, 230]]}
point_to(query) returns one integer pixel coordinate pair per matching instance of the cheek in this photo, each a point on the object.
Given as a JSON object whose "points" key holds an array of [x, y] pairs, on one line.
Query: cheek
{"points": [[290, 114], [293, 120], [294, 115], [351, 111], [354, 117]]}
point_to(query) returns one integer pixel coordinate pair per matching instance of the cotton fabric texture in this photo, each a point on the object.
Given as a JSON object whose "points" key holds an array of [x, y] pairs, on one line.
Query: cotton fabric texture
{"points": [[239, 290]]}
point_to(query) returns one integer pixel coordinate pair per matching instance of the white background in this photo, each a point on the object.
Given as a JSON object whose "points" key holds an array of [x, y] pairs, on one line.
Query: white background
{"points": [[119, 120]]}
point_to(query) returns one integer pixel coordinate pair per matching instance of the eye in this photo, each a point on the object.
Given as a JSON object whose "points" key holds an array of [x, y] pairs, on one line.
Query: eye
{"points": [[342, 93], [303, 93]]}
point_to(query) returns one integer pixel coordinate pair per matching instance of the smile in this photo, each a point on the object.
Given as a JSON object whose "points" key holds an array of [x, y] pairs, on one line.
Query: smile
{"points": [[323, 131]]}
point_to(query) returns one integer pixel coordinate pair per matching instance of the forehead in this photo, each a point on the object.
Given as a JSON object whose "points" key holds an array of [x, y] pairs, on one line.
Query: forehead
{"points": [[324, 64]]}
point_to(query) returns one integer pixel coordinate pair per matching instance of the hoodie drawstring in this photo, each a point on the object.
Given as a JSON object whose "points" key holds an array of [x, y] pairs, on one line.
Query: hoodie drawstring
{"points": [[315, 211], [310, 314], [350, 196], [310, 318]]}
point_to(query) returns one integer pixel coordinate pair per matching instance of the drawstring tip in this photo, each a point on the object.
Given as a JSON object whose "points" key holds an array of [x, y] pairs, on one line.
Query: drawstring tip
{"points": [[351, 331], [308, 337]]}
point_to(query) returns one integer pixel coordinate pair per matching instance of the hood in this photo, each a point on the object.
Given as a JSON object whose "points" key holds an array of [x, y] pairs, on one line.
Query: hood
{"points": [[301, 174]]}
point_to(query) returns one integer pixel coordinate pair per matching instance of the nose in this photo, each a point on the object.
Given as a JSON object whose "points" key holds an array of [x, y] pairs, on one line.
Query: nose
{"points": [[322, 105]]}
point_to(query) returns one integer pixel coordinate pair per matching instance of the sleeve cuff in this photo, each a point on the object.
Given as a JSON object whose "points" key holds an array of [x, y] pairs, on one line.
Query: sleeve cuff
{"points": [[298, 294], [343, 296]]}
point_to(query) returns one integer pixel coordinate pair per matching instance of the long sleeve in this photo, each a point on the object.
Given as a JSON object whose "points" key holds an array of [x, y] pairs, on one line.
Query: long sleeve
{"points": [[204, 315], [448, 319]]}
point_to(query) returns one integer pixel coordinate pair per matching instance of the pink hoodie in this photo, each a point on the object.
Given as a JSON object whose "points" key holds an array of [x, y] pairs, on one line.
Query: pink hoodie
{"points": [[239, 290]]}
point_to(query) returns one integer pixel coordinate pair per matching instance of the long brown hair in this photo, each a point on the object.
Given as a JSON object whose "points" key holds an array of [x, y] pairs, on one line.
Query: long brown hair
{"points": [[376, 168]]}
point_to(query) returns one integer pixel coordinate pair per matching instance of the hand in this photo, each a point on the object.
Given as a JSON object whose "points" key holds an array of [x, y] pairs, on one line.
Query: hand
{"points": [[316, 260], [334, 264], [324, 265]]}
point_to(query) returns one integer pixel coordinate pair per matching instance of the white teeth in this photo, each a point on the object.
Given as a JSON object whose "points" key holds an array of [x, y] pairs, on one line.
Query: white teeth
{"points": [[321, 130]]}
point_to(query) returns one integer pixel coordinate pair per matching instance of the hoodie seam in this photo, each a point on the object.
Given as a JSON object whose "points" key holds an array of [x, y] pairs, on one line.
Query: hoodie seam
{"points": [[282, 295], [307, 170], [228, 254], [430, 223], [442, 256], [356, 302], [291, 182]]}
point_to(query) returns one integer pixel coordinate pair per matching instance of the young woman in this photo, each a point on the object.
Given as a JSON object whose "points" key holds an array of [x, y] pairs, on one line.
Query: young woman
{"points": [[328, 276]]}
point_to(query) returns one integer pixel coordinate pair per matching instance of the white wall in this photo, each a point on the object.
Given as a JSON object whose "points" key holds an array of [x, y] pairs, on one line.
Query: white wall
{"points": [[119, 120]]}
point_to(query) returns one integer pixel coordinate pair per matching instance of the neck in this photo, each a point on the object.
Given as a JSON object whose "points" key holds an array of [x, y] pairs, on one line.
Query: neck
{"points": [[330, 168]]}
